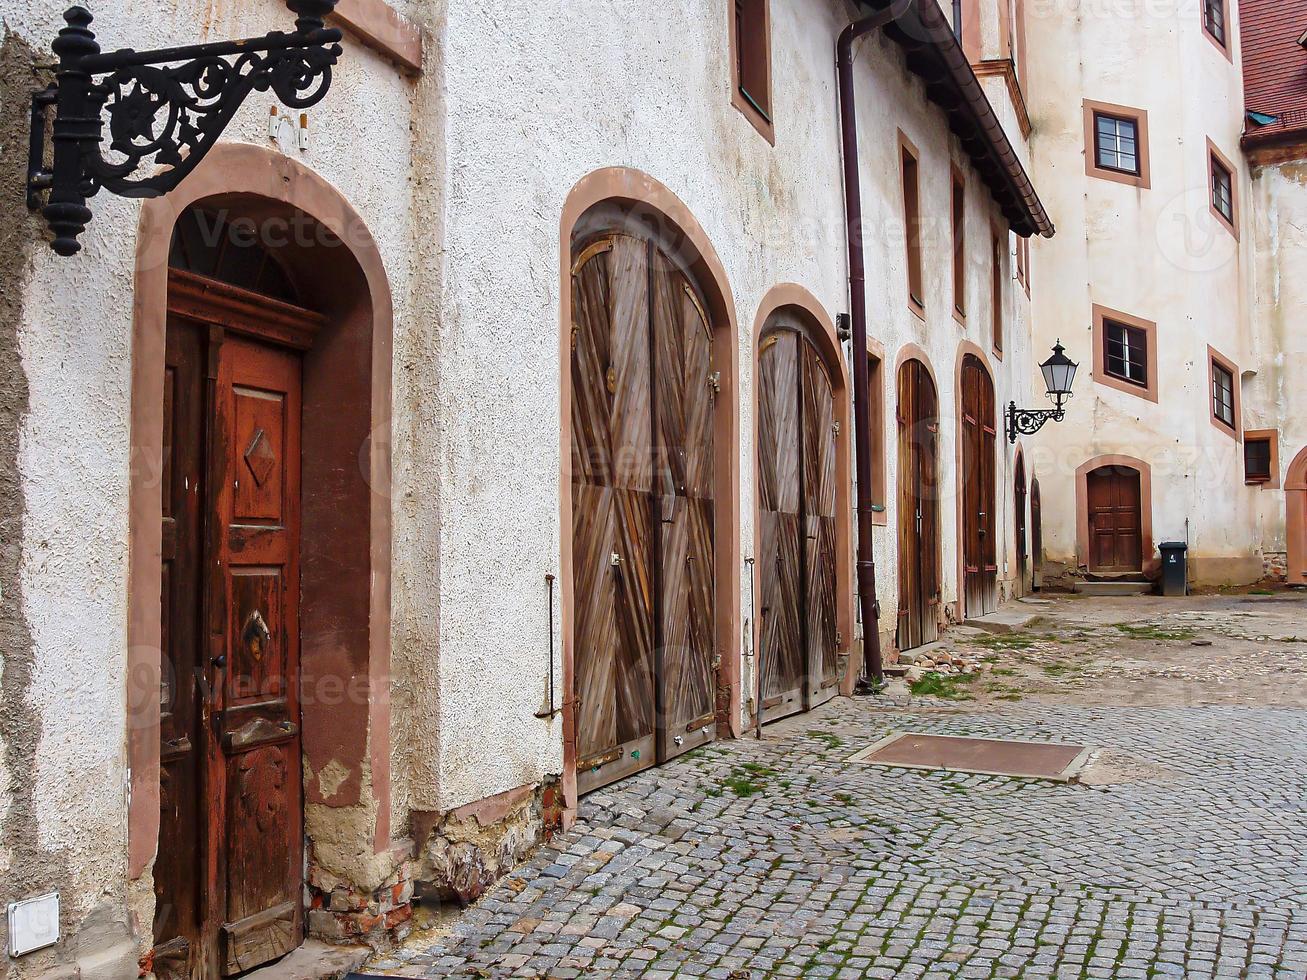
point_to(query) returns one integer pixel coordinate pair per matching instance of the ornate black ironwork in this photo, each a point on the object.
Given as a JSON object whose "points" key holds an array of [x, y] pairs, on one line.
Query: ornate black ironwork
{"points": [[1028, 421], [166, 109]]}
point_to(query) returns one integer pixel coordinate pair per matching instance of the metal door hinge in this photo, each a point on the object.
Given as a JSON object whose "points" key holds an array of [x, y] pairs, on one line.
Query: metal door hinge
{"points": [[835, 427], [715, 381]]}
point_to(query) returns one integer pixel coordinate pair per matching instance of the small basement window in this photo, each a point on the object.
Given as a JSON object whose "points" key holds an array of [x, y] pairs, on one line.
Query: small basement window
{"points": [[1257, 460]]}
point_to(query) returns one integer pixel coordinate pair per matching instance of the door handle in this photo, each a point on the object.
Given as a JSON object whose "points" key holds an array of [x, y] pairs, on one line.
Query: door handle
{"points": [[220, 661]]}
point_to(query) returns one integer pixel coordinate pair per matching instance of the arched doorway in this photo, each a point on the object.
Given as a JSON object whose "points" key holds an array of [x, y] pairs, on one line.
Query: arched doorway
{"points": [[797, 435], [977, 473], [643, 402], [1114, 502], [918, 506], [1019, 512], [259, 532], [1295, 500], [1036, 537]]}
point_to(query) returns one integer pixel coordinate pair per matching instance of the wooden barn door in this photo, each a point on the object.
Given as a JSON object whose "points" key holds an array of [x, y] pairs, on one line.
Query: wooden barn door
{"points": [[1019, 510], [642, 511], [229, 874], [979, 444], [1115, 520], [798, 643], [918, 507]]}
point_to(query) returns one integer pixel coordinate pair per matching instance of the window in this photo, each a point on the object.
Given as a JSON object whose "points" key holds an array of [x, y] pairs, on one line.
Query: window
{"points": [[1126, 350], [1023, 263], [1215, 23], [959, 246], [912, 222], [1261, 458], [751, 63], [1125, 353], [1257, 460], [876, 408], [997, 284], [1224, 196], [1116, 143], [1223, 394]]}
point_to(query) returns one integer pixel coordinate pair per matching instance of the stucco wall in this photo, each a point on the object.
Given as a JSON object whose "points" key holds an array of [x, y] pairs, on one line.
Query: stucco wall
{"points": [[461, 177], [1154, 253]]}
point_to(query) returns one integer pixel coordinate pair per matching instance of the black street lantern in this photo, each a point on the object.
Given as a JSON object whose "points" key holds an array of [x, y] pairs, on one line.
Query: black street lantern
{"points": [[166, 109], [1059, 372]]}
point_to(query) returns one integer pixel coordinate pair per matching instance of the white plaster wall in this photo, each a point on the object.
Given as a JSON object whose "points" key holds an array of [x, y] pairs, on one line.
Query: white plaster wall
{"points": [[526, 120], [76, 452], [1156, 253]]}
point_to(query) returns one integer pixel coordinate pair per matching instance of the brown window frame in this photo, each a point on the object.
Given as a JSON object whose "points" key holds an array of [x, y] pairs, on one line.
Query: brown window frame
{"points": [[1215, 359], [1092, 110], [876, 409], [750, 48], [1222, 44], [998, 253], [1216, 159], [1102, 317], [958, 202], [1272, 438], [910, 180]]}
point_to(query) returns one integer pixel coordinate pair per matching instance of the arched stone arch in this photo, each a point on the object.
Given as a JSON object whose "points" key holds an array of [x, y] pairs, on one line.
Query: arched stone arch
{"points": [[820, 330], [354, 732], [1295, 502], [1151, 564], [646, 201]]}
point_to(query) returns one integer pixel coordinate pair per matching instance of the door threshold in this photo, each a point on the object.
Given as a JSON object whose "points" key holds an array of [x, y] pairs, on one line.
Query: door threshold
{"points": [[314, 960]]}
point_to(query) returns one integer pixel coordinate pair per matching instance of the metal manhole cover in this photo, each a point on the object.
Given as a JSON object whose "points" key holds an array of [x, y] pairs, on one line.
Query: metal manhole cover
{"points": [[1054, 761]]}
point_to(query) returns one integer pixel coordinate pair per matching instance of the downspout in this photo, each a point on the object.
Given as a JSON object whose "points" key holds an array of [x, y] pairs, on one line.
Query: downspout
{"points": [[866, 559]]}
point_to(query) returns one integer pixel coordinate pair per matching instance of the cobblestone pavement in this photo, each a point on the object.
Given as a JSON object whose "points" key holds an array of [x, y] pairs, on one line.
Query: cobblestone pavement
{"points": [[1180, 854]]}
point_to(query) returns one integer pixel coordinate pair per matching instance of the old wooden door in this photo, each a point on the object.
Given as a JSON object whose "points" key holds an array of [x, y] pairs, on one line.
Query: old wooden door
{"points": [[229, 873], [918, 507], [979, 441], [1036, 536], [1019, 511], [642, 510], [798, 641], [1115, 525]]}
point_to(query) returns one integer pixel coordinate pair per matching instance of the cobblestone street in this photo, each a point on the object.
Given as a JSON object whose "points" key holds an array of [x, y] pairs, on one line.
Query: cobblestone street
{"points": [[1179, 853]]}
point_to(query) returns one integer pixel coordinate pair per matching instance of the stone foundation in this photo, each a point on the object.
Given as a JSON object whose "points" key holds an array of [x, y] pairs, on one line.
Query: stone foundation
{"points": [[341, 912], [1275, 566], [462, 853]]}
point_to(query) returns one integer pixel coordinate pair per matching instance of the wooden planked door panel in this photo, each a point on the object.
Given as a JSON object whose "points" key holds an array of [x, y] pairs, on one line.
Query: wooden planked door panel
{"points": [[918, 500], [1115, 520], [979, 446], [817, 447]]}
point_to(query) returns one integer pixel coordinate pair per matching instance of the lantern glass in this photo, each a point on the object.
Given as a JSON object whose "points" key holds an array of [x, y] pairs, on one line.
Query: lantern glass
{"points": [[1059, 372]]}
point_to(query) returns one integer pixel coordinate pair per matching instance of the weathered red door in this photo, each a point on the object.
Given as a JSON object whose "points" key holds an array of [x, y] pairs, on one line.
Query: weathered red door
{"points": [[642, 510], [798, 641], [229, 873], [918, 504], [1019, 510], [979, 442], [1115, 525]]}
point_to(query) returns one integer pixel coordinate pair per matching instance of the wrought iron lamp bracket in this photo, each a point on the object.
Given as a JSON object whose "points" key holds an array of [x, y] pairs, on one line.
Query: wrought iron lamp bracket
{"points": [[165, 109], [1028, 421]]}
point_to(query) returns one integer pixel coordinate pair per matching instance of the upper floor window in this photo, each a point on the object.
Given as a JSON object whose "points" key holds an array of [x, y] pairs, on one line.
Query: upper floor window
{"points": [[1214, 21], [751, 63], [959, 245], [997, 285], [1126, 352], [1223, 394], [1257, 460], [1224, 196], [1116, 143], [912, 222]]}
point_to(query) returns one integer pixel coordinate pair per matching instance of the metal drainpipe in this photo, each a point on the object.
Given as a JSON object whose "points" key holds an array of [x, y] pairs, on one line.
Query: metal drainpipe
{"points": [[866, 559]]}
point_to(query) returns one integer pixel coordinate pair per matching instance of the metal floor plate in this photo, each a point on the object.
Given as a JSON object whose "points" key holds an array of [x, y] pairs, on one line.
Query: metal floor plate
{"points": [[1054, 761]]}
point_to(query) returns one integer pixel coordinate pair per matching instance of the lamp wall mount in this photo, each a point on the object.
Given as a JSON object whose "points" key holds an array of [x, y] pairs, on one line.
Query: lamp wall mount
{"points": [[165, 109]]}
